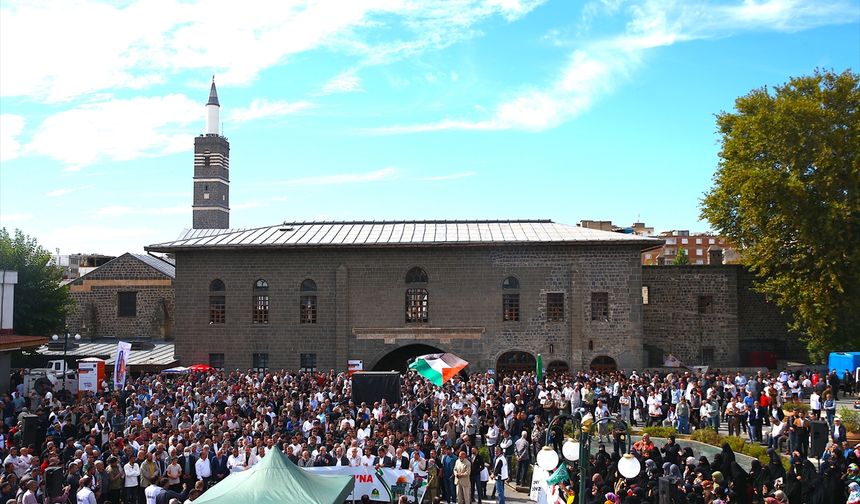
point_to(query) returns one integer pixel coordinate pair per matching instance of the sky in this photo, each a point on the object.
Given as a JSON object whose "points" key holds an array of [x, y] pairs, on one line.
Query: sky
{"points": [[384, 109]]}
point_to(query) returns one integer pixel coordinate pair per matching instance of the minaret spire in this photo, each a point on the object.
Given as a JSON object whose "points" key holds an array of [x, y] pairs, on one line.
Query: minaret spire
{"points": [[213, 109]]}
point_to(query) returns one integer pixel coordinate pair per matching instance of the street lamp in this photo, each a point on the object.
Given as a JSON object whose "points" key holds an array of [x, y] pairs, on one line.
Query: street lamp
{"points": [[579, 450], [66, 336]]}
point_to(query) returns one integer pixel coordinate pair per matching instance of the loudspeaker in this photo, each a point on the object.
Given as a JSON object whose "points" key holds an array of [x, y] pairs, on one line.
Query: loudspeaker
{"points": [[30, 432], [54, 481], [819, 434], [667, 490], [372, 386]]}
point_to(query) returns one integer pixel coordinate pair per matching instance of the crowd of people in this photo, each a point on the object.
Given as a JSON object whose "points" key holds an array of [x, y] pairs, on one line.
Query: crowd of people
{"points": [[163, 439]]}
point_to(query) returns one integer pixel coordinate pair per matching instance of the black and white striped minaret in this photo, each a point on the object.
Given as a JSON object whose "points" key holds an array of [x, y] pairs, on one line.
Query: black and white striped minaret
{"points": [[211, 206]]}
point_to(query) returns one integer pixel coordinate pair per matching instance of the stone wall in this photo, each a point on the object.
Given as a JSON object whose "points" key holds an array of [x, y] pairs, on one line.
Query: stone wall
{"points": [[361, 304], [740, 320], [95, 311], [673, 322]]}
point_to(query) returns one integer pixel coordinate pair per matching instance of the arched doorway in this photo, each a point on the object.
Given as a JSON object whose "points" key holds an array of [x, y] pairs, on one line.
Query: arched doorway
{"points": [[398, 359], [510, 362], [558, 366], [603, 363]]}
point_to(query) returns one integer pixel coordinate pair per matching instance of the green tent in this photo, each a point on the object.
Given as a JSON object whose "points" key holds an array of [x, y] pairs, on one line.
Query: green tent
{"points": [[276, 480]]}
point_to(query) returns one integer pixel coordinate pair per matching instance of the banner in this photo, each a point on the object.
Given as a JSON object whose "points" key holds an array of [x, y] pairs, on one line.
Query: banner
{"points": [[120, 366], [91, 372], [354, 365], [672, 361], [367, 482]]}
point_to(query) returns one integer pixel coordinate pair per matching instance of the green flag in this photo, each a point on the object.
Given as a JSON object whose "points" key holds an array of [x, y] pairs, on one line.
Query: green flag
{"points": [[539, 369]]}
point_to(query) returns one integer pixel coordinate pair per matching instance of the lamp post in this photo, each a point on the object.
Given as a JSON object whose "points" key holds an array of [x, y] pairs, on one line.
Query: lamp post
{"points": [[66, 336], [580, 449]]}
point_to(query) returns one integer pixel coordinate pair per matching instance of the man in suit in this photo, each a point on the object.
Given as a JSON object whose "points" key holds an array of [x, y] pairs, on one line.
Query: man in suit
{"points": [[189, 472], [383, 459], [838, 433], [462, 474], [219, 466], [477, 490]]}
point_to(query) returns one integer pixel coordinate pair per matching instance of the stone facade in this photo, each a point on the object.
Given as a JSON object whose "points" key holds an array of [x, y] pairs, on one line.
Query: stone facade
{"points": [[211, 208], [710, 315], [361, 295], [96, 311]]}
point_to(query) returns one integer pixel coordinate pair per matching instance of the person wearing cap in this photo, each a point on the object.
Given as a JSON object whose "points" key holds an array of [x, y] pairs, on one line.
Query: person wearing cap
{"points": [[838, 432]]}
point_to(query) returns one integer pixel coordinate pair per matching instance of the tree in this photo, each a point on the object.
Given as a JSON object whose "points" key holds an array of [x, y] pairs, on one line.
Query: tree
{"points": [[787, 193], [40, 301], [682, 258]]}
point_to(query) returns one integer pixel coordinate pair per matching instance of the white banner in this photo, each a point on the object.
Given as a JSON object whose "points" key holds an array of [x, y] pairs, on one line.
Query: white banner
{"points": [[88, 376], [538, 489], [367, 482], [120, 366], [672, 361]]}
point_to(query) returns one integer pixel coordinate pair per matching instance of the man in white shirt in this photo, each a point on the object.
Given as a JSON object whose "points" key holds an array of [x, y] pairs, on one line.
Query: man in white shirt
{"points": [[153, 491], [203, 467]]}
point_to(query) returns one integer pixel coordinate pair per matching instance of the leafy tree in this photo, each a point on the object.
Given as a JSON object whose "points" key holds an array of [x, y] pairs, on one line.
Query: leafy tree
{"points": [[40, 301], [787, 193], [681, 258]]}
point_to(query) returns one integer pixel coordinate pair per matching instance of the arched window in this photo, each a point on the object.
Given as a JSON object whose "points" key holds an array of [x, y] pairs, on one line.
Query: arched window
{"points": [[260, 314], [217, 302], [308, 302], [510, 299], [417, 306], [416, 275]]}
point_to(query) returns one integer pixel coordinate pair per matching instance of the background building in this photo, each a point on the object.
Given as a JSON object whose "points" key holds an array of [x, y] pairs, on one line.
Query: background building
{"points": [[697, 246], [313, 295], [130, 297]]}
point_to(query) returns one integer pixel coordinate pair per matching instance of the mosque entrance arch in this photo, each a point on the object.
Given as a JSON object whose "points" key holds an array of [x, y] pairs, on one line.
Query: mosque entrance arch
{"points": [[603, 363], [398, 359], [515, 361]]}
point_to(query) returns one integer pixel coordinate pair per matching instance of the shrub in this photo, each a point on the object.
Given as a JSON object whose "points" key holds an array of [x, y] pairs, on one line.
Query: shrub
{"points": [[707, 436], [735, 443], [660, 432], [850, 419], [795, 406]]}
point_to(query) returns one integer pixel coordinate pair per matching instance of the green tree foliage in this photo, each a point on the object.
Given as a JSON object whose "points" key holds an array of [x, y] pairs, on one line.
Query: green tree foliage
{"points": [[787, 193], [681, 258], [40, 301]]}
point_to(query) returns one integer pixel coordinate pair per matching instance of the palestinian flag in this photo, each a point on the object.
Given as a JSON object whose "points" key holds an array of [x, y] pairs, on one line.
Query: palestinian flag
{"points": [[438, 368]]}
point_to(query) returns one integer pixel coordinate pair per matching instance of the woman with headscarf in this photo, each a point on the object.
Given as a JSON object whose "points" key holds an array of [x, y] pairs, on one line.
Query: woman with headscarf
{"points": [[704, 468], [728, 457], [740, 484], [794, 480], [853, 493], [761, 480]]}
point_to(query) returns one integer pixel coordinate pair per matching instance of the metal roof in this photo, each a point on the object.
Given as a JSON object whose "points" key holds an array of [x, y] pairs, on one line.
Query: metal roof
{"points": [[397, 233], [166, 266], [160, 355]]}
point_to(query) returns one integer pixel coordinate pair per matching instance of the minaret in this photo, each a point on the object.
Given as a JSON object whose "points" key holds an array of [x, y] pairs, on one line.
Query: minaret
{"points": [[211, 206]]}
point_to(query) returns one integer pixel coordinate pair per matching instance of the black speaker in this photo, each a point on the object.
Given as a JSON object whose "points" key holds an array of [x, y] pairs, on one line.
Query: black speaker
{"points": [[54, 481], [30, 432], [818, 438], [667, 490], [372, 386]]}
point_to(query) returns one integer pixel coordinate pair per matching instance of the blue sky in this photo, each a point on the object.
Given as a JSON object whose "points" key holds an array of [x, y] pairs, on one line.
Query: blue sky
{"points": [[384, 109]]}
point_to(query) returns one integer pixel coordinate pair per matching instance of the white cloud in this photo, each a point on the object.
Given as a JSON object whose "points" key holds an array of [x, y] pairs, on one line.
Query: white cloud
{"points": [[66, 190], [260, 109], [15, 217], [381, 175], [99, 238], [11, 126], [596, 68], [117, 130], [84, 47], [453, 176], [345, 82]]}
